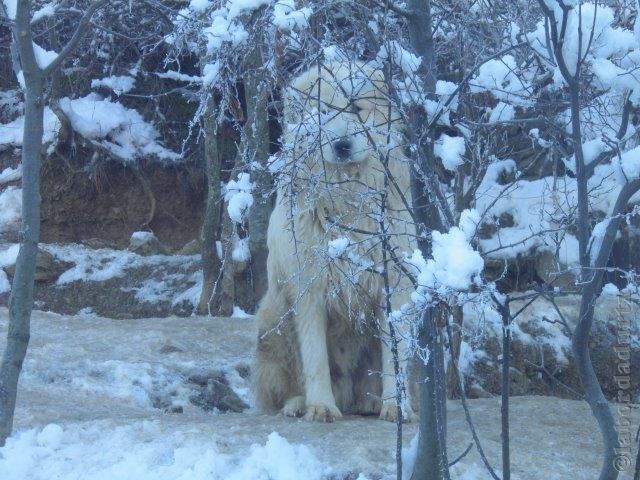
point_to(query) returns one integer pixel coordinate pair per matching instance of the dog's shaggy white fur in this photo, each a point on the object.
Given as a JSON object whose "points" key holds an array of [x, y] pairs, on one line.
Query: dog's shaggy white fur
{"points": [[323, 345]]}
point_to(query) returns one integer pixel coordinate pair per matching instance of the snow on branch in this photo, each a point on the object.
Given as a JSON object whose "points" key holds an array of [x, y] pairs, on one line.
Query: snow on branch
{"points": [[455, 265]]}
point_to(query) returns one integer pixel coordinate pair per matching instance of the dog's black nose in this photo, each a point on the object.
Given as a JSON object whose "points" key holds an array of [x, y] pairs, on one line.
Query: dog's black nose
{"points": [[342, 149]]}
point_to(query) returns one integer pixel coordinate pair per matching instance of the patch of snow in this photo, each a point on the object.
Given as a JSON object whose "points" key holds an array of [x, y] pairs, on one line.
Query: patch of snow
{"points": [[498, 77], [239, 313], [43, 57], [11, 174], [287, 17], [179, 77], [10, 208], [47, 10], [210, 74], [86, 311], [199, 5], [103, 451], [120, 130], [450, 150], [610, 290], [224, 28], [141, 238], [238, 196], [11, 7], [192, 294], [455, 266], [11, 133], [8, 256], [394, 51], [502, 112], [100, 265], [117, 84], [240, 252], [337, 248]]}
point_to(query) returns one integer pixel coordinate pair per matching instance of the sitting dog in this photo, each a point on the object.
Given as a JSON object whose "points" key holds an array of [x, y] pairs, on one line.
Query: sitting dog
{"points": [[336, 237]]}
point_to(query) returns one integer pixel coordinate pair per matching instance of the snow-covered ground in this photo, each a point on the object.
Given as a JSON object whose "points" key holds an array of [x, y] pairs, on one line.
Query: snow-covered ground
{"points": [[92, 401]]}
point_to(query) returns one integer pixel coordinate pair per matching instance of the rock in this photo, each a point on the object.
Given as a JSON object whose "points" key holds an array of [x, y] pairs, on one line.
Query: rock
{"points": [[215, 392], [97, 243], [174, 409], [48, 267], [553, 273], [146, 243], [168, 348], [541, 358], [476, 391]]}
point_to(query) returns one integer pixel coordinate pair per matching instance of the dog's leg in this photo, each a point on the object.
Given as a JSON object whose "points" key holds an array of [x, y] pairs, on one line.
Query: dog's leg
{"points": [[274, 378], [311, 329]]}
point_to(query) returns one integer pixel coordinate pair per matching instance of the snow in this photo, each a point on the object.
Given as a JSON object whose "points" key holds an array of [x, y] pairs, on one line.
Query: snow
{"points": [[469, 222], [536, 208], [610, 290], [502, 112], [142, 452], [223, 29], [241, 7], [117, 84], [210, 74], [199, 5], [11, 6], [455, 265], [11, 133], [11, 174], [238, 196], [47, 10], [630, 164], [337, 248], [287, 17], [84, 411], [239, 313], [43, 57], [8, 255], [120, 130], [89, 265], [240, 252], [450, 150], [394, 51], [179, 77], [141, 238], [10, 208], [498, 77]]}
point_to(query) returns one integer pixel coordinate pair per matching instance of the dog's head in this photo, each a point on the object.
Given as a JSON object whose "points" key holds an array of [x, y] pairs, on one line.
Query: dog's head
{"points": [[340, 114]]}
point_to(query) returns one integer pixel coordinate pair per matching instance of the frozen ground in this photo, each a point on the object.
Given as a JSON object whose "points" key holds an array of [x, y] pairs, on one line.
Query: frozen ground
{"points": [[91, 406]]}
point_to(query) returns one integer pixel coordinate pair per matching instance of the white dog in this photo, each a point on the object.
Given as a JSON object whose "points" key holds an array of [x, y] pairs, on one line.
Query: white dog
{"points": [[323, 345]]}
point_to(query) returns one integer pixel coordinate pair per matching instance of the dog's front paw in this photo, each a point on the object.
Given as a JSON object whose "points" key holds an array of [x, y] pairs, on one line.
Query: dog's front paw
{"points": [[294, 407], [322, 413], [389, 412]]}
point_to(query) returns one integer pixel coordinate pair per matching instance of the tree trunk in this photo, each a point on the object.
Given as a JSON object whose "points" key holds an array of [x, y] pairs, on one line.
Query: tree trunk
{"points": [[453, 387], [21, 299], [215, 147], [431, 460], [256, 138], [591, 278]]}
